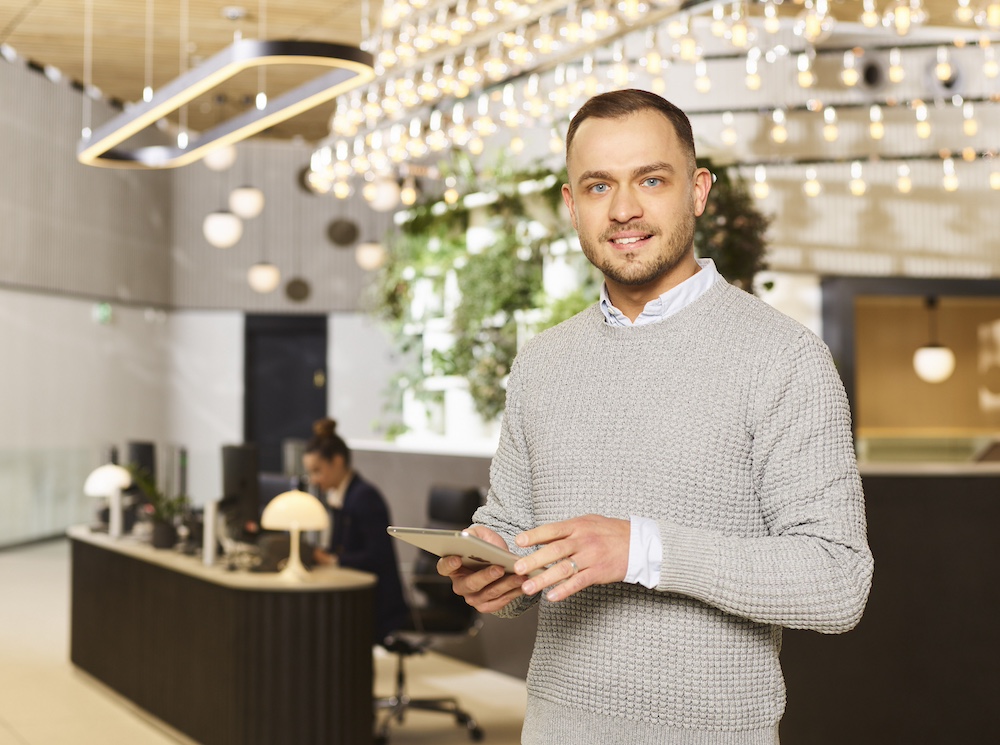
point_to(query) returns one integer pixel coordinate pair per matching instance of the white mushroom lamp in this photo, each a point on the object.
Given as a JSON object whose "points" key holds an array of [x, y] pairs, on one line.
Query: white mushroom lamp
{"points": [[108, 481], [294, 511]]}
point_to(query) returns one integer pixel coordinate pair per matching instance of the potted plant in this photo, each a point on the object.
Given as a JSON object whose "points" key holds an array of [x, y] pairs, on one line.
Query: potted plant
{"points": [[162, 509]]}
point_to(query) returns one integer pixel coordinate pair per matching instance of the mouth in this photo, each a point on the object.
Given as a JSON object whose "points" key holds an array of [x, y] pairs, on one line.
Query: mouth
{"points": [[629, 241]]}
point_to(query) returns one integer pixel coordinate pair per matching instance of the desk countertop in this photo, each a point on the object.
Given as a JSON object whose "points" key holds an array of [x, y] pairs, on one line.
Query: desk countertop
{"points": [[320, 579]]}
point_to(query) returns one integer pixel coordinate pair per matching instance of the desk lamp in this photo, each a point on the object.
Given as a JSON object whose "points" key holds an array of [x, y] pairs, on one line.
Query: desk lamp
{"points": [[108, 481], [294, 511]]}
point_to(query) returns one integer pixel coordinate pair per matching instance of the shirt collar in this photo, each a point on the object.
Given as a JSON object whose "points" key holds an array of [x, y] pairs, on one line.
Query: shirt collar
{"points": [[670, 302], [335, 497]]}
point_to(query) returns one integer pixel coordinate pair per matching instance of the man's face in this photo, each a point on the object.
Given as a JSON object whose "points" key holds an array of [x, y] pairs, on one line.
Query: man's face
{"points": [[633, 199]]}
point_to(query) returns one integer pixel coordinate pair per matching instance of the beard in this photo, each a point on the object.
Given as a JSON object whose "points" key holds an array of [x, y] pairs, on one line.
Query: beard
{"points": [[628, 267]]}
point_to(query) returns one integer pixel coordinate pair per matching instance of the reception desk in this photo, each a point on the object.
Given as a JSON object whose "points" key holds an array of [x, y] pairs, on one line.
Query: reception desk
{"points": [[225, 657], [921, 667]]}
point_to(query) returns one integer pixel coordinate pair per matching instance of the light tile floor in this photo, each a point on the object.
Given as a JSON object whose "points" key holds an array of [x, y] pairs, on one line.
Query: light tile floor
{"points": [[44, 700]]}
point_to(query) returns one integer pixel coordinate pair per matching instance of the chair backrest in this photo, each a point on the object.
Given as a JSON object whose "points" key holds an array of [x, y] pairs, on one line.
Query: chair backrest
{"points": [[444, 611]]}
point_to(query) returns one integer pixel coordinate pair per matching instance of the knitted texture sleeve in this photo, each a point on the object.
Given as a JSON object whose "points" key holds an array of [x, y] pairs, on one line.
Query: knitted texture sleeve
{"points": [[813, 569]]}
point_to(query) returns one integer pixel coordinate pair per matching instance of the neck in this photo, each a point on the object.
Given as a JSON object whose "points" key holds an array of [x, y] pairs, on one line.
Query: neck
{"points": [[631, 299]]}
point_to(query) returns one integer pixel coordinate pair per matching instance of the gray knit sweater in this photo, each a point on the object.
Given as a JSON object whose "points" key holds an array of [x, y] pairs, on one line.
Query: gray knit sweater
{"points": [[728, 425]]}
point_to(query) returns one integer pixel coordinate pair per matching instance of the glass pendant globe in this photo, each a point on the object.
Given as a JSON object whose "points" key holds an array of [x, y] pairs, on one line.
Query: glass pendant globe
{"points": [[264, 277], [370, 256], [934, 363], [222, 229], [246, 202], [221, 158], [383, 194]]}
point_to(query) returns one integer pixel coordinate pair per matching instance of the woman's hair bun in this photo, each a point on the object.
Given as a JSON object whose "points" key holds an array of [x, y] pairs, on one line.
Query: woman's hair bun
{"points": [[325, 428]]}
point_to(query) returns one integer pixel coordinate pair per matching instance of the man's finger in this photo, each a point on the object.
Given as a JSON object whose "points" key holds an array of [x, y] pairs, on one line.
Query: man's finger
{"points": [[545, 533]]}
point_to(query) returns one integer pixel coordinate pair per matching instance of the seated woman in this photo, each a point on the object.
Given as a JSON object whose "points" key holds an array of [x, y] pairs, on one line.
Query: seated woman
{"points": [[359, 516]]}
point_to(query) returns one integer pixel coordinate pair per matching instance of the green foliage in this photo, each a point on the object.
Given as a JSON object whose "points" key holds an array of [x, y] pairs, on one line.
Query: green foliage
{"points": [[731, 231], [163, 508], [499, 296]]}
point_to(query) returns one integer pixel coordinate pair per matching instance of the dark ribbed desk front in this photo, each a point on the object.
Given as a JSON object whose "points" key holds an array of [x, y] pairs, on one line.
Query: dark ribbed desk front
{"points": [[226, 658]]}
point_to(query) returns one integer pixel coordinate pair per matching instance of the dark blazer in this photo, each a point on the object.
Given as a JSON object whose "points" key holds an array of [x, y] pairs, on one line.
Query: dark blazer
{"points": [[360, 542]]}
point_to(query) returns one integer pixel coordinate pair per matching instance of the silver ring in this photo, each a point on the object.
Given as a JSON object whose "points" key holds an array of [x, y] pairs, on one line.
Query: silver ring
{"points": [[572, 564]]}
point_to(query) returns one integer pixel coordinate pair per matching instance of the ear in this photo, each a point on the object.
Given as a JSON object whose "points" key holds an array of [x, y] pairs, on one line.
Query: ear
{"points": [[567, 195], [702, 185]]}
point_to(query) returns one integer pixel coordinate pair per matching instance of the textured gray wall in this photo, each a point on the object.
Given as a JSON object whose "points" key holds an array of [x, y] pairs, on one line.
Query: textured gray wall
{"points": [[69, 228]]}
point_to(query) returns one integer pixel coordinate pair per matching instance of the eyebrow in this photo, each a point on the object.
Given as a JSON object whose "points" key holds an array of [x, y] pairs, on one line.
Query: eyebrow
{"points": [[638, 172]]}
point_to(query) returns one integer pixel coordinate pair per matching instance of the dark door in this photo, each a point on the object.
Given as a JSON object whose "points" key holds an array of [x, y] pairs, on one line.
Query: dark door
{"points": [[285, 381]]}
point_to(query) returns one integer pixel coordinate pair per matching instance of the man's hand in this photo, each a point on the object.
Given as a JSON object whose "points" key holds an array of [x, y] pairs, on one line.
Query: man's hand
{"points": [[487, 590], [583, 551]]}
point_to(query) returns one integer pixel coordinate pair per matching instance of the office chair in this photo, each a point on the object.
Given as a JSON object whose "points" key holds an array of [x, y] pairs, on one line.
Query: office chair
{"points": [[440, 614]]}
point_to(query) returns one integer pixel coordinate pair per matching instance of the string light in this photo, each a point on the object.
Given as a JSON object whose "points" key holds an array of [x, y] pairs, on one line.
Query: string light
{"points": [[963, 11], [753, 80], [857, 185], [728, 135], [896, 72], [830, 130], [772, 24], [779, 132], [942, 69], [904, 184], [815, 24], [760, 187], [806, 78], [849, 75], [876, 127], [969, 124], [811, 186], [702, 83], [870, 17], [950, 179], [923, 125]]}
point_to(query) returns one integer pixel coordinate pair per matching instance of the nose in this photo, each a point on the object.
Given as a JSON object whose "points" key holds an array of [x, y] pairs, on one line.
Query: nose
{"points": [[625, 205]]}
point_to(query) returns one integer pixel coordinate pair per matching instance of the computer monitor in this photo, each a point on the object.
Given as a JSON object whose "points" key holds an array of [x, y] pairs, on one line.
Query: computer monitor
{"points": [[272, 484], [240, 490]]}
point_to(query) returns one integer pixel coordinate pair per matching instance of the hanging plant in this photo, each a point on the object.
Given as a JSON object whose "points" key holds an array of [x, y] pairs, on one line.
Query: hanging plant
{"points": [[476, 268]]}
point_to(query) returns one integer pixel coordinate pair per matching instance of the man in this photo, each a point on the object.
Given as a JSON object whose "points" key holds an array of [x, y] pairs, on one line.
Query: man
{"points": [[680, 457]]}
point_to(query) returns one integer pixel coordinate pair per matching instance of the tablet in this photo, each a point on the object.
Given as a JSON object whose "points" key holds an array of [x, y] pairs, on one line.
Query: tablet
{"points": [[475, 552]]}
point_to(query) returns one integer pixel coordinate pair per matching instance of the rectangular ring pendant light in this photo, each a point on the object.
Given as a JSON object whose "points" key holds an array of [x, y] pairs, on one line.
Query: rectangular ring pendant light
{"points": [[351, 67]]}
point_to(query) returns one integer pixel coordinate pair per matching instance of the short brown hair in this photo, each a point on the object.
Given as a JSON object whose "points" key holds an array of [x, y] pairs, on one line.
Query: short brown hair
{"points": [[623, 103]]}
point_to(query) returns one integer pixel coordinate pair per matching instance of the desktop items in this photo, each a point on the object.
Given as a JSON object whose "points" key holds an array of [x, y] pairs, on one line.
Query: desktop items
{"points": [[295, 511], [109, 481]]}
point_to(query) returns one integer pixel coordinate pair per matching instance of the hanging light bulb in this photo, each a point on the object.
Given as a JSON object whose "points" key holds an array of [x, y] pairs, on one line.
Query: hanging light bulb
{"points": [[739, 33], [903, 15], [718, 25], [342, 189], [943, 70], [904, 184], [752, 79], [857, 185], [811, 186], [850, 75], [950, 179], [264, 277], [896, 72], [870, 17], [830, 130], [923, 125], [246, 202], [545, 40], [760, 187], [772, 24], [933, 362], [806, 77], [370, 256], [222, 229], [779, 132], [451, 194], [815, 24], [632, 10], [728, 134], [969, 124], [652, 60], [702, 83], [876, 127], [483, 15], [382, 193], [572, 29], [601, 18], [408, 194], [989, 16], [990, 66], [220, 158], [963, 12], [995, 177]]}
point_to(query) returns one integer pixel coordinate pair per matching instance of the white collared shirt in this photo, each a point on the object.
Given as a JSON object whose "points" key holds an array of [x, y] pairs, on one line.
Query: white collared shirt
{"points": [[645, 550]]}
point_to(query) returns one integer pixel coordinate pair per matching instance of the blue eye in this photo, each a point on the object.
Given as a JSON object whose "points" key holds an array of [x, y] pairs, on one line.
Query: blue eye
{"points": [[599, 188], [652, 181]]}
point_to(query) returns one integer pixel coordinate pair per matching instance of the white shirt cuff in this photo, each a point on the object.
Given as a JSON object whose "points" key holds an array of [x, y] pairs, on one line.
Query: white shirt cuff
{"points": [[645, 552]]}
